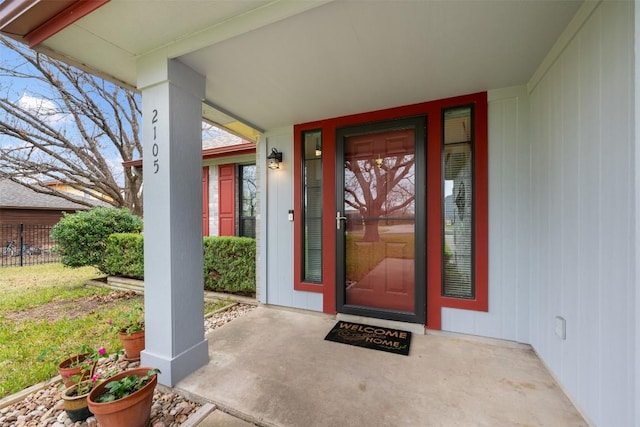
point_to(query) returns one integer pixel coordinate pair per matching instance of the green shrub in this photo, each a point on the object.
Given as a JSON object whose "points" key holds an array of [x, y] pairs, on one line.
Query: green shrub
{"points": [[124, 255], [81, 238], [230, 264]]}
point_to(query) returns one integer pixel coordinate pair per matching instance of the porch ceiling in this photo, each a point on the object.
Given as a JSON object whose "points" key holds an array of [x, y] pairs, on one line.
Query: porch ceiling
{"points": [[274, 63]]}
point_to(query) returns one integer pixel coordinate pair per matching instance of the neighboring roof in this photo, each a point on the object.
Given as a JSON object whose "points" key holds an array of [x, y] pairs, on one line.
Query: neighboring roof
{"points": [[13, 195], [222, 139]]}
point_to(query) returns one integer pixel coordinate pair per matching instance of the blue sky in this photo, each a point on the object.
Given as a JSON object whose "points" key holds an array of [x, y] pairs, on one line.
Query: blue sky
{"points": [[39, 96]]}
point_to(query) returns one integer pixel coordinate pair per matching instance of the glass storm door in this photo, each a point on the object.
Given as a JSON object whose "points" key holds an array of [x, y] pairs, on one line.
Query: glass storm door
{"points": [[380, 220]]}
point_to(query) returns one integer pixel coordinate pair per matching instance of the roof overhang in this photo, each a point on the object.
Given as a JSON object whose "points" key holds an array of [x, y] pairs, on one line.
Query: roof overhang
{"points": [[33, 21], [272, 63]]}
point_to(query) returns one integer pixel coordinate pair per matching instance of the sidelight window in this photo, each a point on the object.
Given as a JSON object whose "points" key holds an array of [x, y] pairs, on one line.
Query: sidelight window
{"points": [[247, 199], [312, 207], [458, 193]]}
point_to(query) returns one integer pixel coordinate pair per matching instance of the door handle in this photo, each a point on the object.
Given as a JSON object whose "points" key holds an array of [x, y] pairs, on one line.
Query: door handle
{"points": [[339, 219]]}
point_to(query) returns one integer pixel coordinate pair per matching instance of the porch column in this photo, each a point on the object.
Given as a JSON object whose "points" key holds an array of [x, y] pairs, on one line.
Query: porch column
{"points": [[174, 291]]}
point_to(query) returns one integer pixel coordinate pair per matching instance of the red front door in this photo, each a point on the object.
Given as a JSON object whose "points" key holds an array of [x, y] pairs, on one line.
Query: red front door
{"points": [[379, 214]]}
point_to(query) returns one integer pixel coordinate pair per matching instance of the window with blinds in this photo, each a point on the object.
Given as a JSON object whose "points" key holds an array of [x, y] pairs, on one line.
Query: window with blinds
{"points": [[458, 221], [312, 207]]}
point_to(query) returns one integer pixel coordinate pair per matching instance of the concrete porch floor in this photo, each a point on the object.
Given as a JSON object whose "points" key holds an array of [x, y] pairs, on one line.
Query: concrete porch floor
{"points": [[272, 367]]}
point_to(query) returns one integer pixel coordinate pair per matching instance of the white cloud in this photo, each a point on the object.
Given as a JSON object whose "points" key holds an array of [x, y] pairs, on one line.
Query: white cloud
{"points": [[46, 110]]}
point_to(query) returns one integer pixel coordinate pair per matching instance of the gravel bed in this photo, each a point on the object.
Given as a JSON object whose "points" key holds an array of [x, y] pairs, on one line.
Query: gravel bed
{"points": [[44, 408]]}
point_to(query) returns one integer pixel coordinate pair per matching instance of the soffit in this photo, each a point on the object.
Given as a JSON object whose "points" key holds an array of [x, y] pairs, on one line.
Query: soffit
{"points": [[274, 63]]}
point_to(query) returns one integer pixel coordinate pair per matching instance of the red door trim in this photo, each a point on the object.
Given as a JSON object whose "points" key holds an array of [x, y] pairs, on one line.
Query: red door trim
{"points": [[433, 111]]}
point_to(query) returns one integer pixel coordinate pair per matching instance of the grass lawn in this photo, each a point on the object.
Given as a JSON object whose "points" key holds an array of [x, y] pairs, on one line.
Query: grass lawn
{"points": [[49, 305]]}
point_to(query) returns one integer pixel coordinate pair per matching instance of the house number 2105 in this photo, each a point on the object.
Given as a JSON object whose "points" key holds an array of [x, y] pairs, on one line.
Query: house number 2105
{"points": [[154, 147]]}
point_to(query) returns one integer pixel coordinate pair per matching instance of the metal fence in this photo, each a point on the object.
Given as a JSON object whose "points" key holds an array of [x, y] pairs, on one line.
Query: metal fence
{"points": [[26, 244]]}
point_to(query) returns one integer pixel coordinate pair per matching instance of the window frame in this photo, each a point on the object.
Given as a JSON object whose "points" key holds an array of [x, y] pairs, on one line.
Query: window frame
{"points": [[240, 229], [443, 146], [303, 206], [299, 283]]}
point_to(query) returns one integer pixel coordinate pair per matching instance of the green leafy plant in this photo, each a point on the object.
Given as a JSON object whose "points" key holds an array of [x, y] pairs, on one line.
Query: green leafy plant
{"points": [[230, 264], [81, 238], [125, 386], [131, 321], [124, 255], [85, 359]]}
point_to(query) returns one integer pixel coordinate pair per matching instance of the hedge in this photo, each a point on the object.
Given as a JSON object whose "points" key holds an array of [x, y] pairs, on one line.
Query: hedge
{"points": [[124, 255], [81, 237], [229, 262]]}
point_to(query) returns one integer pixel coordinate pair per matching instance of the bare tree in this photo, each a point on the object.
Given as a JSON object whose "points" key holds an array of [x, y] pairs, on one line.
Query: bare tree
{"points": [[61, 124], [380, 190]]}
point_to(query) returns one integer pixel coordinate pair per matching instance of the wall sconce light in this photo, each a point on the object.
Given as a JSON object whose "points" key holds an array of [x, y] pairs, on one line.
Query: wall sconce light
{"points": [[274, 159]]}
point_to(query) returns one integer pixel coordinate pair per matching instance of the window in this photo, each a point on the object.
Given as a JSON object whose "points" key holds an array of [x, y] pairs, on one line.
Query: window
{"points": [[457, 226], [312, 207], [247, 201]]}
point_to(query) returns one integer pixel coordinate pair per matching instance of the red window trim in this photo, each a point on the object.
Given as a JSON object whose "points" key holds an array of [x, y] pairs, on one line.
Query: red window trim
{"points": [[433, 111]]}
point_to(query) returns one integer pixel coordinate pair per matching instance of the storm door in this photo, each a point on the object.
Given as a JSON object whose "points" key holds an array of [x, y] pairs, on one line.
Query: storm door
{"points": [[380, 220]]}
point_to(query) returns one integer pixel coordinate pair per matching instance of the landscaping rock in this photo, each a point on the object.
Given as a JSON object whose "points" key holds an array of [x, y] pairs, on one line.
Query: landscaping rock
{"points": [[44, 408]]}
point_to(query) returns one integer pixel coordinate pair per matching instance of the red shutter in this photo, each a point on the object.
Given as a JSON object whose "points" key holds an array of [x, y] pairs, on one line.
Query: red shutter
{"points": [[205, 201], [226, 200]]}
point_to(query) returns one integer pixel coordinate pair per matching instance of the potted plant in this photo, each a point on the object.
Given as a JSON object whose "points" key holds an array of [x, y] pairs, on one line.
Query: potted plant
{"points": [[131, 332], [124, 399], [78, 376], [75, 401], [76, 368]]}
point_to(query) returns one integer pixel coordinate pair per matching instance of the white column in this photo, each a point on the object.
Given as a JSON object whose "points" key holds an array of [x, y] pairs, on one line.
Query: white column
{"points": [[174, 291]]}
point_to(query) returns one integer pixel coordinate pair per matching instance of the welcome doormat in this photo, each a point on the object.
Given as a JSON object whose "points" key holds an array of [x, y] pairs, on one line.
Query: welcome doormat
{"points": [[374, 337]]}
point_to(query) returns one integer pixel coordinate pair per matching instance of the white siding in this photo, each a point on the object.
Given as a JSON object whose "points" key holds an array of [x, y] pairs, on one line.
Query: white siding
{"points": [[276, 251], [582, 201], [509, 224]]}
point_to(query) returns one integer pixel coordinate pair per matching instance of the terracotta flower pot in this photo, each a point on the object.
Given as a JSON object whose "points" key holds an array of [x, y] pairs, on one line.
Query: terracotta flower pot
{"points": [[133, 344], [131, 411], [76, 406], [67, 371]]}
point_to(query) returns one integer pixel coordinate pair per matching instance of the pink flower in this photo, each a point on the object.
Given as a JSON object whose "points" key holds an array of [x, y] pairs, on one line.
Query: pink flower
{"points": [[110, 322], [102, 351], [94, 379]]}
